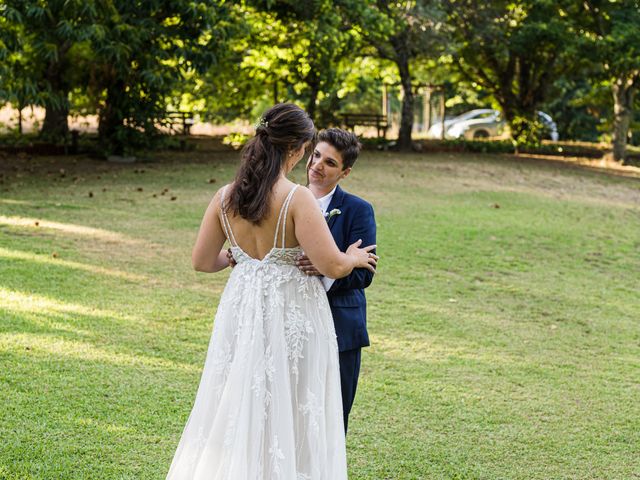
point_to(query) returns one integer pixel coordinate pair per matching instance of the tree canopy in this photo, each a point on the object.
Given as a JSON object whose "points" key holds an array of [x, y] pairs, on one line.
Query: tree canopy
{"points": [[130, 63]]}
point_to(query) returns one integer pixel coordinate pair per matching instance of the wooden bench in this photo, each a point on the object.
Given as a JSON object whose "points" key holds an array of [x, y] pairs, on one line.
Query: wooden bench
{"points": [[351, 120], [182, 120]]}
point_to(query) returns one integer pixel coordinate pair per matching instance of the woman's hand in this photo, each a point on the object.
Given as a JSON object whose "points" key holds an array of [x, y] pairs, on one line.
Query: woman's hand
{"points": [[232, 261], [363, 256]]}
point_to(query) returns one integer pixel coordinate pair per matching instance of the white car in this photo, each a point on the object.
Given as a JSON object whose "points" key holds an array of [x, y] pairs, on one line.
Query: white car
{"points": [[482, 123]]}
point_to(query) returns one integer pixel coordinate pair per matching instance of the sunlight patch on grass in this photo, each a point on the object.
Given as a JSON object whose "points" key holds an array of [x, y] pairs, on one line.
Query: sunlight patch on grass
{"points": [[50, 322], [46, 346], [31, 303], [105, 427], [10, 201], [431, 349], [97, 233], [45, 259]]}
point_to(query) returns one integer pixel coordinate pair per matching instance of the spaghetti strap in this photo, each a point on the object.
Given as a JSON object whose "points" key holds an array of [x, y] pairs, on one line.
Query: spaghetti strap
{"points": [[226, 225], [282, 218]]}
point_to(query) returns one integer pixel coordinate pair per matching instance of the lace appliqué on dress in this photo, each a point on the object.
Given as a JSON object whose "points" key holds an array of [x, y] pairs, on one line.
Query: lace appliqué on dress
{"points": [[276, 457], [312, 409], [296, 330]]}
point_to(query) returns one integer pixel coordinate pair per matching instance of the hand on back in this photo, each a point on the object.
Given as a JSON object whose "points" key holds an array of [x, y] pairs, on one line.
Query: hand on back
{"points": [[368, 260], [363, 256]]}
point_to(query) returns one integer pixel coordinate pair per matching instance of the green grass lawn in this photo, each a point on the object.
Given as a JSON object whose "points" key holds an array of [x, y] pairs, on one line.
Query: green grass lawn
{"points": [[505, 318]]}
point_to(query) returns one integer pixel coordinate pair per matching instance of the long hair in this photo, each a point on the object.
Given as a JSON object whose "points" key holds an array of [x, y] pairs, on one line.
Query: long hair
{"points": [[284, 127]]}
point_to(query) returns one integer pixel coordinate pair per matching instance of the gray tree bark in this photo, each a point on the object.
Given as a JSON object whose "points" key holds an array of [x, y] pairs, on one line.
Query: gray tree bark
{"points": [[623, 89]]}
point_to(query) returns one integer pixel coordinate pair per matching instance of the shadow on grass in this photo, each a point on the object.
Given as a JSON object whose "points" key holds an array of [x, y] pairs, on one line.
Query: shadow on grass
{"points": [[51, 327]]}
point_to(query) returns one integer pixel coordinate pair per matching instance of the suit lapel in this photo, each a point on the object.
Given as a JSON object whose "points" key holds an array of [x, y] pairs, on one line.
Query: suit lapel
{"points": [[336, 202]]}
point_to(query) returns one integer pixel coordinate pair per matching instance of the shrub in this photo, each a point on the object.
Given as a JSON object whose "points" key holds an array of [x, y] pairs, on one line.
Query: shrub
{"points": [[235, 139]]}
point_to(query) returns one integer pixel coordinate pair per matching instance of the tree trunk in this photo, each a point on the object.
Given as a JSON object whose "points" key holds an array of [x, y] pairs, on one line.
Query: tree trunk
{"points": [[111, 119], [55, 126], [406, 120], [623, 93]]}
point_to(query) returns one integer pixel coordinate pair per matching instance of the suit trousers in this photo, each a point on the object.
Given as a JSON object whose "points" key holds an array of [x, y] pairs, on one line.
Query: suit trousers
{"points": [[349, 372]]}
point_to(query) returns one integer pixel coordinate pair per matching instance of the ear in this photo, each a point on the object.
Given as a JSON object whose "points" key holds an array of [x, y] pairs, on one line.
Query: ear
{"points": [[346, 172]]}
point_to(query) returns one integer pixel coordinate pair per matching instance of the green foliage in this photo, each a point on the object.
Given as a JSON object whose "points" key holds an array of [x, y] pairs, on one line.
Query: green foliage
{"points": [[475, 146], [610, 34], [526, 131], [235, 139], [508, 146], [610, 37], [514, 50], [131, 62], [127, 57], [43, 58], [580, 108], [401, 33], [302, 52], [143, 52]]}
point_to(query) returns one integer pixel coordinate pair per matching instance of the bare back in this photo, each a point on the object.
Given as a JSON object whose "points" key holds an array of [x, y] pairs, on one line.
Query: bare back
{"points": [[258, 240], [302, 226]]}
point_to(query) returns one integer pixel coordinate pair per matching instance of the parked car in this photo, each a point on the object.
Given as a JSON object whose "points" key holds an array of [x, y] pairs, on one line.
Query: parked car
{"points": [[483, 123]]}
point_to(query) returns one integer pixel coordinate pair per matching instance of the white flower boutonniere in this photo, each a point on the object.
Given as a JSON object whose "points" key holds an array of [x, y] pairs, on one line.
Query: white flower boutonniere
{"points": [[333, 212]]}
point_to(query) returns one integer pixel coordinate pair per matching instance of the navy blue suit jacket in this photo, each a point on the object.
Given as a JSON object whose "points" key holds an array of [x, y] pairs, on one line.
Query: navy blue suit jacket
{"points": [[346, 295]]}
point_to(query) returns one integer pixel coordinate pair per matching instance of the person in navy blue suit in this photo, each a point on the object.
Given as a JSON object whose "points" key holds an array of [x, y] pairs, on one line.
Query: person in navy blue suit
{"points": [[350, 218]]}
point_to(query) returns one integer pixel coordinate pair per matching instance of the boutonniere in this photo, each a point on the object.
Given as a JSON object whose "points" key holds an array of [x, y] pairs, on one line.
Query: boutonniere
{"points": [[333, 212]]}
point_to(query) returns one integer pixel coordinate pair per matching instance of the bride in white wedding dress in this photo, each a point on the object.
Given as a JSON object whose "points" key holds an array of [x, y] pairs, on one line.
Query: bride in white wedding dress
{"points": [[268, 405]]}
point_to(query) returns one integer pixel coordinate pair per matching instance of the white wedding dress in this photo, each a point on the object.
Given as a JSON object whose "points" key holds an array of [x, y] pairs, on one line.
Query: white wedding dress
{"points": [[269, 402]]}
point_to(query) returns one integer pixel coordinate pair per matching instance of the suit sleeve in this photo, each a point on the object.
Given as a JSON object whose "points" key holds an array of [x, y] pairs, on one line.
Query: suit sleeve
{"points": [[363, 226]]}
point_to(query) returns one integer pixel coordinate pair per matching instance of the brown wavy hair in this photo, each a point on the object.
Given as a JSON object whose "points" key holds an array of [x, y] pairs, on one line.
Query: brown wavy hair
{"points": [[282, 128]]}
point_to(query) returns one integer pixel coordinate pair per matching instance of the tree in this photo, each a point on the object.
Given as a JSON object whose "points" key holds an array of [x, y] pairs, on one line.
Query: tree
{"points": [[143, 52], [611, 37], [515, 50], [577, 104], [401, 32], [300, 46], [43, 50], [17, 84]]}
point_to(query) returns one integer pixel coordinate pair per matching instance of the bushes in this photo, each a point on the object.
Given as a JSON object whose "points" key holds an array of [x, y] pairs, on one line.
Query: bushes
{"points": [[507, 146], [236, 140]]}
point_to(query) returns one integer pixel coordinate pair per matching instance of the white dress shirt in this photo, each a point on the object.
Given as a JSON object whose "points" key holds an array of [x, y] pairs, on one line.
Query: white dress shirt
{"points": [[324, 205]]}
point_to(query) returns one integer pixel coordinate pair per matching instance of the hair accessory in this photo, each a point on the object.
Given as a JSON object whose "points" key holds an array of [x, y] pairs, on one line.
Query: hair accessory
{"points": [[262, 123]]}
